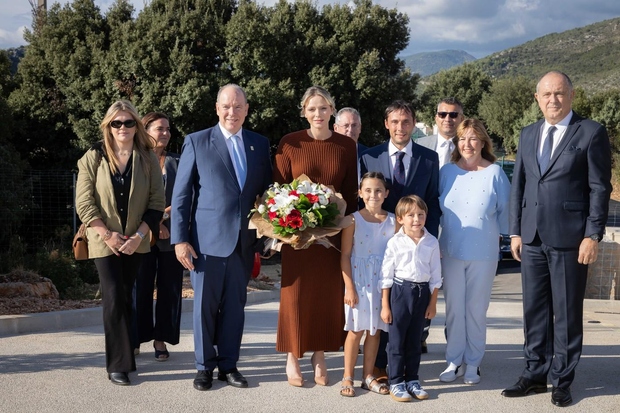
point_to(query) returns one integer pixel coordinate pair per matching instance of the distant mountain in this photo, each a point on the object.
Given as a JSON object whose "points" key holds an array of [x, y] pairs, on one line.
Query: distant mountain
{"points": [[589, 55], [432, 62], [15, 55]]}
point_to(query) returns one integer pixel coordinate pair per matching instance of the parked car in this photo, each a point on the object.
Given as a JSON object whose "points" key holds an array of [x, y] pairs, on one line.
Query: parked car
{"points": [[504, 240]]}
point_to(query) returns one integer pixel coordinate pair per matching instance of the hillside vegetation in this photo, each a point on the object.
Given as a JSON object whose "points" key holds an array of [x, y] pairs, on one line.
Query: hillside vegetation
{"points": [[427, 63], [590, 55]]}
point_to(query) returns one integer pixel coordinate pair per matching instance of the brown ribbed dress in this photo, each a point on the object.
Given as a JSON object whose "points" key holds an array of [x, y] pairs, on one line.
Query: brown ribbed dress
{"points": [[311, 314]]}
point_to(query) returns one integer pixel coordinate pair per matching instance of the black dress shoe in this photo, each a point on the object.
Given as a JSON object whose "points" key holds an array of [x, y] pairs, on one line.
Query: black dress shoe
{"points": [[203, 380], [424, 347], [561, 397], [524, 387], [233, 377], [120, 379]]}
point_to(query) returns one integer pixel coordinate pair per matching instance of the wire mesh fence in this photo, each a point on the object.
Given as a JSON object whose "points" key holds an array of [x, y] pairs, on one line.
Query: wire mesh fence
{"points": [[37, 211]]}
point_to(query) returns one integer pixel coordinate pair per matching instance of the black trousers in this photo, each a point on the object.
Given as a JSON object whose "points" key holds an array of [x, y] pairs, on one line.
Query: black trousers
{"points": [[408, 303], [554, 285], [159, 268], [117, 276]]}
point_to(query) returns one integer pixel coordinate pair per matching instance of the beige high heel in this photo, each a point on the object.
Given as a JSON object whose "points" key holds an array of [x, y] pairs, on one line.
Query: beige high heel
{"points": [[294, 381], [320, 380]]}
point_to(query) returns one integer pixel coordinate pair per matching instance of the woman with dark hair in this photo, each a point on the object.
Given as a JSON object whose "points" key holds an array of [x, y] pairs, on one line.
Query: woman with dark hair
{"points": [[473, 195], [160, 266], [311, 316], [119, 197]]}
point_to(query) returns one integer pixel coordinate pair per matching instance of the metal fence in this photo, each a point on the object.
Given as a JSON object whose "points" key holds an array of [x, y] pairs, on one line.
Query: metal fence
{"points": [[45, 209]]}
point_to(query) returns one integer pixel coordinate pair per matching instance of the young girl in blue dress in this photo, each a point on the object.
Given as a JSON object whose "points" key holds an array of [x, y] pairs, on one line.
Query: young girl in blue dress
{"points": [[363, 245]]}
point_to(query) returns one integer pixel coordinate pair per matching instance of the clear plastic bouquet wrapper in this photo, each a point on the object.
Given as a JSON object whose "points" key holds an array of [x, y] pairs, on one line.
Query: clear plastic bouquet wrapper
{"points": [[299, 214]]}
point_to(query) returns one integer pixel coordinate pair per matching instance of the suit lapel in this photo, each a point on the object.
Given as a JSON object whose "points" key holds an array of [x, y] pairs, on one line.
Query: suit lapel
{"points": [[219, 143], [249, 145], [533, 149], [568, 136], [413, 165], [386, 166]]}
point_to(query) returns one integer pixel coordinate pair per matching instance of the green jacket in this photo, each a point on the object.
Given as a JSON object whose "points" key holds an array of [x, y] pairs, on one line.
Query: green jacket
{"points": [[94, 198]]}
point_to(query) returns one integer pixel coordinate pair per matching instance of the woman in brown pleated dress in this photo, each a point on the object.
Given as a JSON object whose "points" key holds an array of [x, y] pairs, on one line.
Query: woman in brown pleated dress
{"points": [[311, 314]]}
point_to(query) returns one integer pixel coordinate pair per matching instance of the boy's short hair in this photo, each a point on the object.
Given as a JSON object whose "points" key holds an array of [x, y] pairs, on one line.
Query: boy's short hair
{"points": [[406, 204]]}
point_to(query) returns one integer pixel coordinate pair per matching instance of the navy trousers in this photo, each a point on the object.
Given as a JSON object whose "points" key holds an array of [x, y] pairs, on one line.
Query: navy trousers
{"points": [[554, 285], [220, 293], [408, 303]]}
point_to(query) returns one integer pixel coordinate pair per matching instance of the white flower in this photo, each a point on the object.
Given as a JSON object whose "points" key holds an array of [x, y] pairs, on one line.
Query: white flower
{"points": [[261, 209]]}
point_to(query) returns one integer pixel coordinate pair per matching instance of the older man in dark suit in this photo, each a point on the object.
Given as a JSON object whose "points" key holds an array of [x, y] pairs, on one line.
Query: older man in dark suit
{"points": [[558, 210], [410, 169], [221, 172]]}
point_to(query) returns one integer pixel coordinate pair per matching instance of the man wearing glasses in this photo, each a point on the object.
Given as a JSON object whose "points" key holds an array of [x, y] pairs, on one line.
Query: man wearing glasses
{"points": [[349, 123], [448, 117]]}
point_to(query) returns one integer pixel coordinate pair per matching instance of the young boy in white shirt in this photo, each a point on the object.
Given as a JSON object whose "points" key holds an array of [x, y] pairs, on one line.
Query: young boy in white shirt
{"points": [[410, 280]]}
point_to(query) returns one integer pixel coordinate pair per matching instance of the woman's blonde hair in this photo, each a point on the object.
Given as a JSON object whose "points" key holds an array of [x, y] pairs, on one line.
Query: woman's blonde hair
{"points": [[313, 91], [481, 133], [142, 142]]}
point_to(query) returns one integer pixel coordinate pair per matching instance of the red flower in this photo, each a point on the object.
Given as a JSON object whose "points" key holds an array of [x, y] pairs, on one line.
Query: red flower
{"points": [[294, 219], [293, 193], [271, 201], [273, 215], [312, 198]]}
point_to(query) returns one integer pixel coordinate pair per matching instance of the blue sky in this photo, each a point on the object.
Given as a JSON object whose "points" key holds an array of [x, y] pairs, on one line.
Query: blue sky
{"points": [[480, 27]]}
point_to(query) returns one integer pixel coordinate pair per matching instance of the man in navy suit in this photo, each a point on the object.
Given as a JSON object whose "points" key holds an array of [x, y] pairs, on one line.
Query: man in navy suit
{"points": [[420, 176], [558, 210], [221, 172]]}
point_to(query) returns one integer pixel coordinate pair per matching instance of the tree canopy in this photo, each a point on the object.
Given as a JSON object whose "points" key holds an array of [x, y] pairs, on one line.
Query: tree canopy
{"points": [[175, 55]]}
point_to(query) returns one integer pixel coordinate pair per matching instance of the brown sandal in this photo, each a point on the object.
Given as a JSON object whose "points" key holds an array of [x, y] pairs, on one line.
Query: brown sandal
{"points": [[345, 390], [379, 388]]}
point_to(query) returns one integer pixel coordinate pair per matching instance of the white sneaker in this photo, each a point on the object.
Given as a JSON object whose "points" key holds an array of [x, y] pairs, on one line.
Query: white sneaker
{"points": [[415, 390], [472, 375], [451, 373]]}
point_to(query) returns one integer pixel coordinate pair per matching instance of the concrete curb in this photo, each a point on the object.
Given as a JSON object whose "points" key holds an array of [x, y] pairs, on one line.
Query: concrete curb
{"points": [[11, 325]]}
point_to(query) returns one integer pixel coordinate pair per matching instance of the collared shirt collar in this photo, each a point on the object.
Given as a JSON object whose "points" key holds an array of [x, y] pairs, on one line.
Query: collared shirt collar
{"points": [[407, 149], [227, 134], [442, 140], [561, 125]]}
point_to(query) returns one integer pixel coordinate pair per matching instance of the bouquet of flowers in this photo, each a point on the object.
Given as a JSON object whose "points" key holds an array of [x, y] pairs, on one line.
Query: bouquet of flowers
{"points": [[299, 213]]}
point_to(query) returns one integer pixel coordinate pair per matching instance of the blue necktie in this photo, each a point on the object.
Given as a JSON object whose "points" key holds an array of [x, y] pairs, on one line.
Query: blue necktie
{"points": [[545, 156], [399, 173], [238, 159]]}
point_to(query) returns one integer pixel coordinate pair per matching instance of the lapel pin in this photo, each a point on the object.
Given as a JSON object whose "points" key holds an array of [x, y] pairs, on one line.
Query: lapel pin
{"points": [[251, 148]]}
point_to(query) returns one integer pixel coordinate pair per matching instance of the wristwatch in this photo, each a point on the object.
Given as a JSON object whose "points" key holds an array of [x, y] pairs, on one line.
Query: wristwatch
{"points": [[166, 216], [595, 237], [141, 235]]}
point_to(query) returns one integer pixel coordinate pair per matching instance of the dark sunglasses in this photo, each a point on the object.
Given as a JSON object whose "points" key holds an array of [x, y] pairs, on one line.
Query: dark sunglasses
{"points": [[453, 115], [116, 124]]}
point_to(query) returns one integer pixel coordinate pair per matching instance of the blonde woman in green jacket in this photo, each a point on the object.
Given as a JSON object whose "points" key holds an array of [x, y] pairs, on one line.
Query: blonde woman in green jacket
{"points": [[120, 197]]}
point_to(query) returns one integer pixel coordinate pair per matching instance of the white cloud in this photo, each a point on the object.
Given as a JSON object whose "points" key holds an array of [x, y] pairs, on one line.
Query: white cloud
{"points": [[479, 27]]}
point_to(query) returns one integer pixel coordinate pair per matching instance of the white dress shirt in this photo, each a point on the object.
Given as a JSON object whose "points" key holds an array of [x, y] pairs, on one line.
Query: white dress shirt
{"points": [[229, 145], [557, 135], [444, 149], [413, 262], [406, 159]]}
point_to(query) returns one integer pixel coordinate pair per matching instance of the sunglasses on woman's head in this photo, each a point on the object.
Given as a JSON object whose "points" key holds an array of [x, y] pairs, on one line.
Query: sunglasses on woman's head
{"points": [[452, 115], [116, 124]]}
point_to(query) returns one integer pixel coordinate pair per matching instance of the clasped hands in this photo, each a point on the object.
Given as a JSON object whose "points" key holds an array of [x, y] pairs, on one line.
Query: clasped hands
{"points": [[122, 244]]}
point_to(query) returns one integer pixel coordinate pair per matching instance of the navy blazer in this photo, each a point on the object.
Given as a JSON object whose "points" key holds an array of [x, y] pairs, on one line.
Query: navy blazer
{"points": [[570, 200], [209, 209], [422, 178]]}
